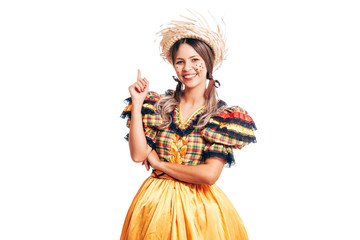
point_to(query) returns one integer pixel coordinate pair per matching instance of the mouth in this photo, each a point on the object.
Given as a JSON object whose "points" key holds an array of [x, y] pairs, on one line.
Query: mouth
{"points": [[189, 76]]}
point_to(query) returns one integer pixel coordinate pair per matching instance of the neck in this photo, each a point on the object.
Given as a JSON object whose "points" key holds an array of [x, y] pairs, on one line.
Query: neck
{"points": [[194, 96]]}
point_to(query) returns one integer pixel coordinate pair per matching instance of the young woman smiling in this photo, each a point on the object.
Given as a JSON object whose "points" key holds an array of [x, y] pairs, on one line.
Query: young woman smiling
{"points": [[186, 136]]}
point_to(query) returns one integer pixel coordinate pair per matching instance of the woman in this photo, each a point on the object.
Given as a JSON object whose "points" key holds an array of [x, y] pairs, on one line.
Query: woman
{"points": [[186, 136]]}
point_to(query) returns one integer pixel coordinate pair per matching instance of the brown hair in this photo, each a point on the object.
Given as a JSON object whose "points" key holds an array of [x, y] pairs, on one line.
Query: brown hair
{"points": [[166, 105]]}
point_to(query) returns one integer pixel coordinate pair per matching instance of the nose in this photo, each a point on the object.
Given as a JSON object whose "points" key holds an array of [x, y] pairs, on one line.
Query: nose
{"points": [[187, 66]]}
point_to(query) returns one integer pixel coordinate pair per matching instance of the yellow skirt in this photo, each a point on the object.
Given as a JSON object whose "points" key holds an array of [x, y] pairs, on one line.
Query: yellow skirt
{"points": [[167, 209]]}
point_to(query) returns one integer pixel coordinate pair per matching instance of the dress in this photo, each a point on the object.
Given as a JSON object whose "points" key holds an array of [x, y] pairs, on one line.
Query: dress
{"points": [[168, 209]]}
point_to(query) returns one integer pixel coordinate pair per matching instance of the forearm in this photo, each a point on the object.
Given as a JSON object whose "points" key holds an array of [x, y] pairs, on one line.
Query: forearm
{"points": [[188, 173], [206, 173], [139, 149]]}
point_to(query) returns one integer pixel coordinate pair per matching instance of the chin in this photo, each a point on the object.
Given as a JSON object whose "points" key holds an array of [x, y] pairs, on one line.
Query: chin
{"points": [[192, 84]]}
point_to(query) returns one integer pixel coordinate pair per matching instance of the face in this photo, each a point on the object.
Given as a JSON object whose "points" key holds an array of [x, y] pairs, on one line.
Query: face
{"points": [[190, 67]]}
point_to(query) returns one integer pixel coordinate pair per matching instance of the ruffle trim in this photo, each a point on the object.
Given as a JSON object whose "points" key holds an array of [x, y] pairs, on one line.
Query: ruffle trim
{"points": [[237, 121], [144, 111], [235, 115], [231, 134], [151, 97], [230, 126], [228, 157], [149, 141], [150, 118], [174, 125], [183, 132]]}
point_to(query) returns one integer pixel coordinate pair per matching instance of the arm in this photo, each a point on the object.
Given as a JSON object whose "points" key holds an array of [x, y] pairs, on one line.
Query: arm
{"points": [[207, 173], [139, 149]]}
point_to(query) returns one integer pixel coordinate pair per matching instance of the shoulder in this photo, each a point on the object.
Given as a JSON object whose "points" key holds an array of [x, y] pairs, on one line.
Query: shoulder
{"points": [[233, 114], [231, 126]]}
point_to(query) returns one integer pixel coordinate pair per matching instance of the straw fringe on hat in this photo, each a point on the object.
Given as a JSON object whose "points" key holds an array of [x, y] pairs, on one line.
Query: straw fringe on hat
{"points": [[198, 28]]}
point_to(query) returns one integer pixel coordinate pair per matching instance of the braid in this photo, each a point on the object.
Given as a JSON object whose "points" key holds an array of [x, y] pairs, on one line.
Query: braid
{"points": [[177, 93]]}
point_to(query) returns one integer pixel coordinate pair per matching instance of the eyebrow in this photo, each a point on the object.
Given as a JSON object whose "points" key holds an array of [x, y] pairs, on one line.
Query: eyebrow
{"points": [[190, 57]]}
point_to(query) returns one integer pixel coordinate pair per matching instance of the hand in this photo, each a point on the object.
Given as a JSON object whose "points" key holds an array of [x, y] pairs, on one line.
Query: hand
{"points": [[153, 160], [147, 165], [139, 90]]}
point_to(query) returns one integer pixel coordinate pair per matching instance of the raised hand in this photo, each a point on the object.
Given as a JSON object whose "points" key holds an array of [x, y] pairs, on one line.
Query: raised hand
{"points": [[139, 89]]}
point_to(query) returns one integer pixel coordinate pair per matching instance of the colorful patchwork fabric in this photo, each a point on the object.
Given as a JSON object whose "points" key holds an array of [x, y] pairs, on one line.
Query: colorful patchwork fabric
{"points": [[230, 128], [182, 143], [149, 117]]}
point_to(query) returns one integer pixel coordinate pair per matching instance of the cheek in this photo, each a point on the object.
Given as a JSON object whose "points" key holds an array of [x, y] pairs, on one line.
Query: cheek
{"points": [[177, 70], [200, 68]]}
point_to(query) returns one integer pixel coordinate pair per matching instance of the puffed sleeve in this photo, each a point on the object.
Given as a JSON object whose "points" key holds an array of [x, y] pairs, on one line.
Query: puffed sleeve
{"points": [[231, 128], [150, 119]]}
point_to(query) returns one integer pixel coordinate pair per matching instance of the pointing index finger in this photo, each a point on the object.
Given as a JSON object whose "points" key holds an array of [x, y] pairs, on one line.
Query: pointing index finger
{"points": [[139, 75]]}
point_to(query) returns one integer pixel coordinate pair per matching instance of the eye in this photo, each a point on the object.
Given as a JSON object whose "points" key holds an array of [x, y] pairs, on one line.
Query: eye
{"points": [[178, 62], [195, 59]]}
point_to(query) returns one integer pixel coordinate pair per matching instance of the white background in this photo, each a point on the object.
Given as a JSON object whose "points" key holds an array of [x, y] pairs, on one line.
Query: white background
{"points": [[65, 67]]}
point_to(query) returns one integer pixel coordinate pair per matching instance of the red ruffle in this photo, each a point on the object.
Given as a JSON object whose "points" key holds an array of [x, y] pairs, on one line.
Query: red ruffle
{"points": [[240, 115]]}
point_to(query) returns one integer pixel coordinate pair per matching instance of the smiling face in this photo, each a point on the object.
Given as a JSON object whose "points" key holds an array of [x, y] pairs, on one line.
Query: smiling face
{"points": [[189, 66]]}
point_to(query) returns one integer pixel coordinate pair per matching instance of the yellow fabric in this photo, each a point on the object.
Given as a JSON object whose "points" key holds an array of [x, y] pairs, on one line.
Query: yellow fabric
{"points": [[178, 148], [166, 209]]}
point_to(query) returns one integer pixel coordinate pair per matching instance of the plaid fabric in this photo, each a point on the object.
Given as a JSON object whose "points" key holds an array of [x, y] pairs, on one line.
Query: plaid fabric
{"points": [[149, 117], [186, 150], [182, 143], [220, 151]]}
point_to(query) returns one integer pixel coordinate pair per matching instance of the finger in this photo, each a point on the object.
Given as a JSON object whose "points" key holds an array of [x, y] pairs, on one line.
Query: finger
{"points": [[147, 165], [146, 83], [143, 82], [139, 75], [141, 86], [138, 88]]}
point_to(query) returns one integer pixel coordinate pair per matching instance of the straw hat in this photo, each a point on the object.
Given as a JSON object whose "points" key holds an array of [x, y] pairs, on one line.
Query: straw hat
{"points": [[196, 27]]}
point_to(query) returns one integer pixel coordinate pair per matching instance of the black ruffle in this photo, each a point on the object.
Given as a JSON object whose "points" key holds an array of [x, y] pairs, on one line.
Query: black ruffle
{"points": [[229, 157], [230, 133], [169, 92], [149, 141], [127, 114], [183, 132], [221, 103], [129, 101]]}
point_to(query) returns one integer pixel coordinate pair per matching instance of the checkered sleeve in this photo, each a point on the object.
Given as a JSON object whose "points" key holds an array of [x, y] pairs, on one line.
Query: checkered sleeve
{"points": [[232, 128], [150, 119]]}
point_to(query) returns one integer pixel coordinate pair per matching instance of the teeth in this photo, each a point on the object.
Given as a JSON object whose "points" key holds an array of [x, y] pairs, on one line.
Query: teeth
{"points": [[190, 76]]}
